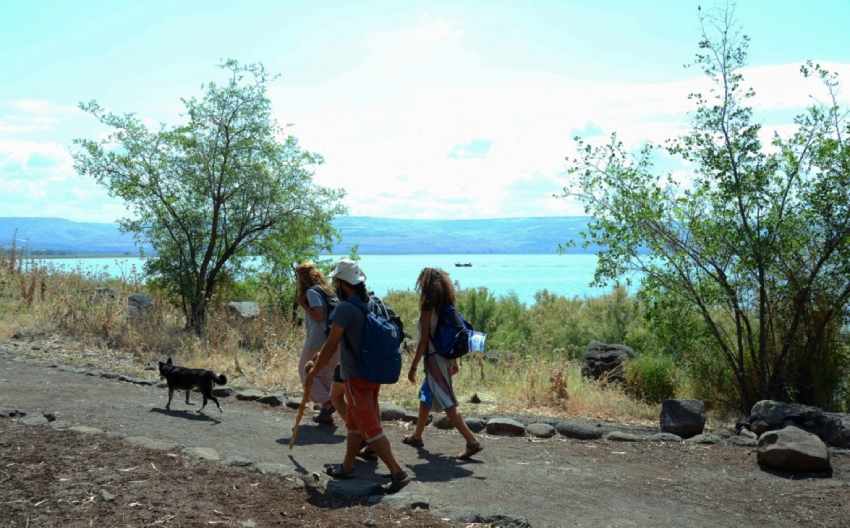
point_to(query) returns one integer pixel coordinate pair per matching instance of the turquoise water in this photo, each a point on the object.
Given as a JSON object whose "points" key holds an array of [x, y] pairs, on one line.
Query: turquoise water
{"points": [[523, 275]]}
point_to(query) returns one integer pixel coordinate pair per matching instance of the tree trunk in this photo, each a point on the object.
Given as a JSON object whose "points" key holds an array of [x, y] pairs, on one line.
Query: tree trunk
{"points": [[196, 319]]}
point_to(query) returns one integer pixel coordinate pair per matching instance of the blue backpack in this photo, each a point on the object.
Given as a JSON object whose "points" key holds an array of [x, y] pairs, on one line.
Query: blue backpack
{"points": [[451, 338], [380, 353]]}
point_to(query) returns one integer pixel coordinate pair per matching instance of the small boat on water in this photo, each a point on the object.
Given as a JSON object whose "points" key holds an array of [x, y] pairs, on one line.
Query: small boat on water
{"points": [[463, 264]]}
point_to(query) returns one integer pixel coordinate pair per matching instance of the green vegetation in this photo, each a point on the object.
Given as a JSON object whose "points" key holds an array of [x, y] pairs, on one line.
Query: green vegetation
{"points": [[208, 192], [752, 248]]}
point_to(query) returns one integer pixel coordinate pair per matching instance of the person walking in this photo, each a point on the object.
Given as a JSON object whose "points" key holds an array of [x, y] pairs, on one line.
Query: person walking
{"points": [[362, 417], [435, 293], [317, 299]]}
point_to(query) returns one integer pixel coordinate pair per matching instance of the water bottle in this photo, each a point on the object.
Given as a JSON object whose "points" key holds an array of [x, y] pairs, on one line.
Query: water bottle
{"points": [[476, 341]]}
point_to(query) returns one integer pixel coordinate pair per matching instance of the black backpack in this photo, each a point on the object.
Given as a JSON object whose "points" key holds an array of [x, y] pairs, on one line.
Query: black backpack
{"points": [[331, 302]]}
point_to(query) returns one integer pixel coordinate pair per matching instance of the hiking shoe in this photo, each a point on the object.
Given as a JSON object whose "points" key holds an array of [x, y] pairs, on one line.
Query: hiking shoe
{"points": [[325, 416], [399, 481]]}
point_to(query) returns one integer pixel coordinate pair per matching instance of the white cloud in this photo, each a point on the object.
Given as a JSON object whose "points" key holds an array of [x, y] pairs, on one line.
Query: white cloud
{"points": [[387, 127]]}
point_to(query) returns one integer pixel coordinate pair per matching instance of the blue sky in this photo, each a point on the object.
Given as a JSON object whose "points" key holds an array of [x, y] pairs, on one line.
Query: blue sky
{"points": [[432, 109]]}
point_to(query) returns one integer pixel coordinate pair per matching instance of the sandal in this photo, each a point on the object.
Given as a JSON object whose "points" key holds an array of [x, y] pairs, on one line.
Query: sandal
{"points": [[413, 442], [336, 471], [367, 454], [471, 450], [399, 480]]}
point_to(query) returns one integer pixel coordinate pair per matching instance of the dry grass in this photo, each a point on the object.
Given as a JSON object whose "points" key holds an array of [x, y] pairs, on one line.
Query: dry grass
{"points": [[264, 352]]}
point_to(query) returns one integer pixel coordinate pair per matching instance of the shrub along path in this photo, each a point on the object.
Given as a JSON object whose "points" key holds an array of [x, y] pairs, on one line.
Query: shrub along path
{"points": [[555, 482]]}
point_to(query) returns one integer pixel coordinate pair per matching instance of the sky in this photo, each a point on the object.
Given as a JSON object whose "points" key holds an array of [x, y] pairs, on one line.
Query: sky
{"points": [[452, 110]]}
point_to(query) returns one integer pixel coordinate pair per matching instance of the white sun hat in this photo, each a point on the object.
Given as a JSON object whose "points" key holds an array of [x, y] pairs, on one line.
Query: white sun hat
{"points": [[348, 271]]}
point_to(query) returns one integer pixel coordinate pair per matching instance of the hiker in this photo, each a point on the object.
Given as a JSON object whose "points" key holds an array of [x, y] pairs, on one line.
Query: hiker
{"points": [[436, 294], [317, 299], [349, 324]]}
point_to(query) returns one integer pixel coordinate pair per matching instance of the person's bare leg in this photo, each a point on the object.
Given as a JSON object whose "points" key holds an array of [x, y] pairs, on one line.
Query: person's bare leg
{"points": [[382, 448], [338, 398], [352, 447], [460, 424], [421, 421]]}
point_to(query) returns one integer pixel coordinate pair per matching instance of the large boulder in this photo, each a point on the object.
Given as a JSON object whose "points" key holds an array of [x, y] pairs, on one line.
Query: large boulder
{"points": [[793, 450], [685, 418], [769, 415], [243, 310], [603, 360], [139, 307], [505, 427]]}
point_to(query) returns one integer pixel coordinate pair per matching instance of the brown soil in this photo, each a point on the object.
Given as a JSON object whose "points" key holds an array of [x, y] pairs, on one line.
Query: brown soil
{"points": [[62, 478]]}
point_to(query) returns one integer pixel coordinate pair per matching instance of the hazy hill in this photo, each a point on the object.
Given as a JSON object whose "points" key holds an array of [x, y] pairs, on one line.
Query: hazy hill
{"points": [[372, 235]]}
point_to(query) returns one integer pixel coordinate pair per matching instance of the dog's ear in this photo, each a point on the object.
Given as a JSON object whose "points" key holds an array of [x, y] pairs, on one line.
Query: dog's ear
{"points": [[169, 362]]}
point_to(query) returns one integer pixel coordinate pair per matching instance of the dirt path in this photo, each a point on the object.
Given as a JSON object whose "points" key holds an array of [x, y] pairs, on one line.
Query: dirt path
{"points": [[556, 482]]}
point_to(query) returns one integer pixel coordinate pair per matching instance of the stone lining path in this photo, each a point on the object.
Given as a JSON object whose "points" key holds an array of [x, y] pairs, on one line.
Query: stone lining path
{"points": [[550, 482]]}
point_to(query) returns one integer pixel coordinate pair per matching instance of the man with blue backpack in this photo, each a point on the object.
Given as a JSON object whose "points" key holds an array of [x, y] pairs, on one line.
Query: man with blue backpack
{"points": [[370, 356]]}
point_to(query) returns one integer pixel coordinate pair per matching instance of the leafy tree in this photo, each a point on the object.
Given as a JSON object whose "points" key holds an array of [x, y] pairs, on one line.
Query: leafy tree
{"points": [[225, 184], [757, 239]]}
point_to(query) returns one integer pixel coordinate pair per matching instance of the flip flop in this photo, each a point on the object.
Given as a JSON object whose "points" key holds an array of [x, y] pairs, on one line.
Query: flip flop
{"points": [[471, 450], [413, 442], [399, 481], [336, 471]]}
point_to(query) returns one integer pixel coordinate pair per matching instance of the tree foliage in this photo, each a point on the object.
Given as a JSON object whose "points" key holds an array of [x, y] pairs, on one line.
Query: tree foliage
{"points": [[757, 239], [225, 184]]}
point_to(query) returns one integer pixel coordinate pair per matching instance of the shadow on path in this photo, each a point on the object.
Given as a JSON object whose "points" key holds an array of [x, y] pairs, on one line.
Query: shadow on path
{"points": [[313, 435], [441, 468], [187, 415]]}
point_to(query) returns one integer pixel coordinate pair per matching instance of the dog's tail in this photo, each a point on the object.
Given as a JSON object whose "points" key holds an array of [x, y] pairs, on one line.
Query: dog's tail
{"points": [[221, 379]]}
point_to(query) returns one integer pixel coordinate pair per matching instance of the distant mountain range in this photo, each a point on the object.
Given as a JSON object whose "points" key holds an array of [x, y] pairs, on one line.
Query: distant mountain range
{"points": [[371, 235]]}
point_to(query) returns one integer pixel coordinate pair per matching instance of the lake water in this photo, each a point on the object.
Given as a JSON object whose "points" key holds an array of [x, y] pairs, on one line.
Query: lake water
{"points": [[523, 275]]}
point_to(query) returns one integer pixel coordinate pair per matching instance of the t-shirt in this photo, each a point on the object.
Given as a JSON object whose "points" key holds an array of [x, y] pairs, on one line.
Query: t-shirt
{"points": [[351, 319], [315, 329]]}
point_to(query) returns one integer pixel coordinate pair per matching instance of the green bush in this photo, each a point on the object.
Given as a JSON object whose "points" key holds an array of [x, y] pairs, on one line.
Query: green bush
{"points": [[651, 377]]}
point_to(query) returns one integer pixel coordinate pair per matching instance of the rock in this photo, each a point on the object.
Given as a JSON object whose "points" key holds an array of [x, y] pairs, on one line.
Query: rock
{"points": [[579, 431], [505, 427], [746, 433], [793, 450], [392, 413], [204, 453], [247, 524], [411, 417], [293, 404], [443, 423], [475, 399], [281, 470], [496, 521], [11, 413], [743, 441], [249, 395], [603, 360], [106, 496], [413, 497], [150, 443], [85, 429], [685, 418], [222, 392], [704, 439], [60, 425], [769, 415], [238, 461], [541, 430], [243, 310], [476, 425], [139, 307], [665, 437], [274, 400], [109, 375], [353, 488], [620, 436], [35, 419]]}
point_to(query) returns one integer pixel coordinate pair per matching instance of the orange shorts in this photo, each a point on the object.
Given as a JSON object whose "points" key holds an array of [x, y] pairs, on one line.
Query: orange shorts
{"points": [[362, 416]]}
